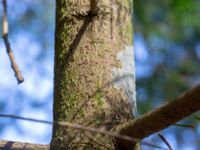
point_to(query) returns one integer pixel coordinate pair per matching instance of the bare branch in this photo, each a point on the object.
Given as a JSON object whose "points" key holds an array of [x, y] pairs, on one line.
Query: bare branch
{"points": [[165, 141], [93, 7], [162, 117], [84, 128], [14, 65], [152, 122]]}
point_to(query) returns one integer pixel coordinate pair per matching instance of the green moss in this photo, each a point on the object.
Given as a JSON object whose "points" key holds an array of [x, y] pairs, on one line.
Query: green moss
{"points": [[90, 69], [99, 96], [67, 95], [70, 97], [129, 31], [124, 3], [97, 123]]}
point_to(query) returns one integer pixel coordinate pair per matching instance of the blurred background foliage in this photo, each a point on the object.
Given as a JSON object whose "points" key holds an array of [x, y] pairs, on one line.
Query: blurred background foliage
{"points": [[167, 46], [167, 49], [31, 33]]}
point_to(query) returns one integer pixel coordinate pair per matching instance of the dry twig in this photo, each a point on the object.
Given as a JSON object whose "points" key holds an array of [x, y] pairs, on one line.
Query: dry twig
{"points": [[93, 7], [84, 128], [14, 65], [165, 141]]}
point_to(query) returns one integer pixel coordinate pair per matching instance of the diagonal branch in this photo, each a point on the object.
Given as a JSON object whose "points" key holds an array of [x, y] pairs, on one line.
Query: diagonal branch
{"points": [[84, 128], [162, 117], [14, 65], [152, 122]]}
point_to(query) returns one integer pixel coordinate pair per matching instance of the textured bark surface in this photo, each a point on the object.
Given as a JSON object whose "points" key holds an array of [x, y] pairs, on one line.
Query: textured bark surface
{"points": [[14, 145], [90, 71]]}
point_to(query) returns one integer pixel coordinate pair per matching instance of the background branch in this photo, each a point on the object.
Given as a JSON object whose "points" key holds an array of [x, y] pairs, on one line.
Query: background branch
{"points": [[14, 65], [162, 117], [84, 128], [137, 129]]}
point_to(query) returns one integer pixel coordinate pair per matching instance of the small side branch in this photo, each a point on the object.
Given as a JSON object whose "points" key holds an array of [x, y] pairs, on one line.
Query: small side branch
{"points": [[13, 145], [162, 117], [93, 7], [14, 65]]}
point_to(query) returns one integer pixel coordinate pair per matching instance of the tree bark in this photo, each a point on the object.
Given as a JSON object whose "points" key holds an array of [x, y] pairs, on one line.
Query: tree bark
{"points": [[158, 119], [14, 145], [94, 81]]}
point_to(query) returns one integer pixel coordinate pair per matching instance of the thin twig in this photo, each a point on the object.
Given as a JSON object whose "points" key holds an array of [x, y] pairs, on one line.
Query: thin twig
{"points": [[84, 128], [185, 125], [93, 7], [14, 65], [165, 141], [197, 118]]}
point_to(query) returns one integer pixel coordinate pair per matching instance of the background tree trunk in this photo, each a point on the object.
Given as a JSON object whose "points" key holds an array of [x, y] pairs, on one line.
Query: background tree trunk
{"points": [[94, 83]]}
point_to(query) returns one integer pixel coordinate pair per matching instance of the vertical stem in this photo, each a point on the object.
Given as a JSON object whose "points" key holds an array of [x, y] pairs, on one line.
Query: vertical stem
{"points": [[93, 7]]}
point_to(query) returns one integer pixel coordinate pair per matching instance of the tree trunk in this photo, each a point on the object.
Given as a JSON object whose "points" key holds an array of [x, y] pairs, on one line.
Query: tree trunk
{"points": [[94, 82]]}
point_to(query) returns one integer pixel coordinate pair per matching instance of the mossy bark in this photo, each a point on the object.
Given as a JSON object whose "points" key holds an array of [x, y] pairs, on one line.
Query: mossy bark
{"points": [[89, 87]]}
